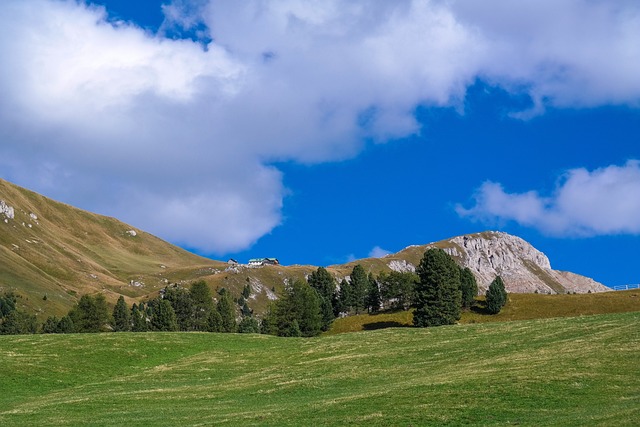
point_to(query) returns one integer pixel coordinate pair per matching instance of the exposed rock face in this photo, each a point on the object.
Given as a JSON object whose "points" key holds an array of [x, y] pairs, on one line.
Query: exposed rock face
{"points": [[522, 267], [6, 210], [401, 266]]}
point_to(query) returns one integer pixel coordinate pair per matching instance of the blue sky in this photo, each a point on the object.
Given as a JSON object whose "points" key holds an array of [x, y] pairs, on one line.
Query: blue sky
{"points": [[319, 132]]}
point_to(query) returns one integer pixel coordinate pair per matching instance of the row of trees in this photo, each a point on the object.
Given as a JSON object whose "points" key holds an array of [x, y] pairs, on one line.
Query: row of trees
{"points": [[439, 290]]}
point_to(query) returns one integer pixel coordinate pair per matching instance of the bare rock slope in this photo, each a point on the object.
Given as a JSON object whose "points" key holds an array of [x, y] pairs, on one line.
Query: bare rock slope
{"points": [[522, 267]]}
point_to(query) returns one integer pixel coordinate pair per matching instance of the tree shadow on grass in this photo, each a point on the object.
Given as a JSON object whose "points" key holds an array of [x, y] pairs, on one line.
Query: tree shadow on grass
{"points": [[480, 307], [383, 325]]}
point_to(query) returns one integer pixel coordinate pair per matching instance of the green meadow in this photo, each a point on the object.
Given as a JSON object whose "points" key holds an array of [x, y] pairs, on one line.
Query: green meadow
{"points": [[561, 371]]}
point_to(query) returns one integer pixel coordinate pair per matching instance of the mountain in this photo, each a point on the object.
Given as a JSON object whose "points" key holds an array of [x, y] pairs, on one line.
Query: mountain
{"points": [[52, 253], [522, 267]]}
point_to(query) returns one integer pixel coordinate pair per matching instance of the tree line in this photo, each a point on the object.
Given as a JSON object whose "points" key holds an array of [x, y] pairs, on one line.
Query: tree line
{"points": [[438, 291]]}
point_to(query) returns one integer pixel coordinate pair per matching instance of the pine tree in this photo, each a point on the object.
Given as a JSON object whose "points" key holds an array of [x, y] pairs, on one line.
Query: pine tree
{"points": [[203, 305], [215, 321], [90, 314], [397, 289], [121, 317], [468, 286], [164, 318], [359, 286], [182, 304], [269, 325], [227, 312], [248, 325], [324, 283], [496, 296], [373, 295], [50, 326], [300, 304], [65, 326], [345, 298], [438, 297], [138, 320]]}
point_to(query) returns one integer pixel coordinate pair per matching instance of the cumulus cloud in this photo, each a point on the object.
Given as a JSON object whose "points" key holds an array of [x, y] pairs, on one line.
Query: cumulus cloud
{"points": [[176, 136], [378, 252], [605, 201]]}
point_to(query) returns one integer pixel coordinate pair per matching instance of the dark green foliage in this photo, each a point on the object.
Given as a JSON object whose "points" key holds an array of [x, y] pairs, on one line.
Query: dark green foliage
{"points": [[65, 326], [50, 326], [227, 312], [359, 285], [90, 314], [138, 320], [203, 305], [496, 296], [438, 297], [324, 283], [215, 321], [245, 310], [468, 287], [163, 318], [299, 305], [18, 322], [249, 325], [292, 330], [246, 291], [373, 295], [7, 304], [268, 325], [345, 298], [182, 304], [121, 317], [397, 289]]}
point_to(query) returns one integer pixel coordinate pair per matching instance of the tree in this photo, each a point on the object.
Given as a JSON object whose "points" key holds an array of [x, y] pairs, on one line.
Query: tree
{"points": [[468, 287], [121, 316], [18, 322], [345, 298], [215, 321], [50, 326], [249, 325], [90, 314], [227, 312], [164, 318], [269, 325], [438, 297], [138, 320], [325, 285], [397, 289], [496, 296], [373, 295], [182, 304], [359, 286], [300, 304], [203, 305], [7, 303], [65, 326]]}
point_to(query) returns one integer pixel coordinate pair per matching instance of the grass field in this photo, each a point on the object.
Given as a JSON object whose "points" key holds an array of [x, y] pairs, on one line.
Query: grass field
{"points": [[563, 371], [519, 307]]}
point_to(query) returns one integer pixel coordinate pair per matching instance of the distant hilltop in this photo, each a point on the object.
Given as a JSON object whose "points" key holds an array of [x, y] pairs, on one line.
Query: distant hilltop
{"points": [[52, 253]]}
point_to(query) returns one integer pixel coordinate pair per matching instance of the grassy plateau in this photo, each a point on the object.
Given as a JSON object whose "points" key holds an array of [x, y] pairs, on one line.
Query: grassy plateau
{"points": [[561, 371]]}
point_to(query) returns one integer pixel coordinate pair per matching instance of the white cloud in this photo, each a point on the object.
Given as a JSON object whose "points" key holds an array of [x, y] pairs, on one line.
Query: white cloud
{"points": [[605, 201], [378, 252], [177, 139]]}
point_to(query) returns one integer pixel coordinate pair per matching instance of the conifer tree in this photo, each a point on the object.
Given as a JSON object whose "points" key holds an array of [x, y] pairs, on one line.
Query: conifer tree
{"points": [[90, 314], [496, 296], [468, 286], [300, 303], [164, 318], [438, 297], [215, 321], [182, 304], [248, 325], [359, 286], [138, 320], [121, 317], [65, 326], [324, 283], [373, 295], [345, 298], [50, 326], [202, 302], [227, 312]]}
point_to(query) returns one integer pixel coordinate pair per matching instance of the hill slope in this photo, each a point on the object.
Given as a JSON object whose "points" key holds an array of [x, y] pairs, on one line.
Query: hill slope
{"points": [[53, 249]]}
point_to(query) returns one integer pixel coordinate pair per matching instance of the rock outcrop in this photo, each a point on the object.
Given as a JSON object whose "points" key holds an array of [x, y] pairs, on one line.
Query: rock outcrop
{"points": [[522, 267]]}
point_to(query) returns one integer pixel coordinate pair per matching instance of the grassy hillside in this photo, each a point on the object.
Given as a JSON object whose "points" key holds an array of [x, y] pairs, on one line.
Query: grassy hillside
{"points": [[572, 371], [54, 249], [519, 307]]}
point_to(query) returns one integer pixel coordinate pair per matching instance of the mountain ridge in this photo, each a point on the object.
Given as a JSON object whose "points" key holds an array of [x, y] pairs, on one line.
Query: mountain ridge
{"points": [[51, 253]]}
